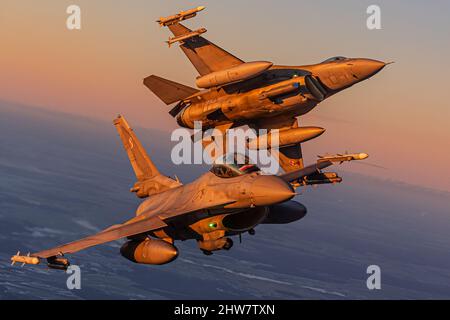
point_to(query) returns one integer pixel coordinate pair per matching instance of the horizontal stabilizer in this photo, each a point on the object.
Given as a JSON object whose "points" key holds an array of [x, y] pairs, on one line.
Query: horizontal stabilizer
{"points": [[168, 91]]}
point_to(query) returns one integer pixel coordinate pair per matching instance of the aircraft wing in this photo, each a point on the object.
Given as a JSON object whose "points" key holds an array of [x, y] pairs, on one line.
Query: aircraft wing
{"points": [[290, 157], [108, 235], [204, 55], [150, 220]]}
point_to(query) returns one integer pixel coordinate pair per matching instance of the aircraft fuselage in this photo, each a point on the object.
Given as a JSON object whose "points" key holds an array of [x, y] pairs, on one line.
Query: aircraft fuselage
{"points": [[249, 195], [291, 91]]}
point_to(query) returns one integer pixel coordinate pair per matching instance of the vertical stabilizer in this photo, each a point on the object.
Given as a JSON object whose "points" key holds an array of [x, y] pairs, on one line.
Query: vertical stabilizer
{"points": [[150, 180]]}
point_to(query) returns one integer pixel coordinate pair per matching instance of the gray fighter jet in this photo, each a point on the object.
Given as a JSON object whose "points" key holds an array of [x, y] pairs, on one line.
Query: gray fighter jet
{"points": [[232, 198], [260, 94]]}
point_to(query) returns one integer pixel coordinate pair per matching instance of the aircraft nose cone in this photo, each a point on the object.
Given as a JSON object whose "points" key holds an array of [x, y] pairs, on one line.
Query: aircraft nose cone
{"points": [[366, 68], [268, 190]]}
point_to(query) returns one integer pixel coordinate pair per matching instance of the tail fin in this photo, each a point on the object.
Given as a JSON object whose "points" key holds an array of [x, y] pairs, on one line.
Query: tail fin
{"points": [[150, 181], [168, 91], [142, 165], [291, 157]]}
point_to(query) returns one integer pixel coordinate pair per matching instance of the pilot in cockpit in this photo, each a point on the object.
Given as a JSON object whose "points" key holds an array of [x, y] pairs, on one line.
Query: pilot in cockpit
{"points": [[233, 165]]}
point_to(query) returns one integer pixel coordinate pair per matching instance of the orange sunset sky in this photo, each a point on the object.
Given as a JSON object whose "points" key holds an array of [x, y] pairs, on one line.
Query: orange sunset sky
{"points": [[400, 117]]}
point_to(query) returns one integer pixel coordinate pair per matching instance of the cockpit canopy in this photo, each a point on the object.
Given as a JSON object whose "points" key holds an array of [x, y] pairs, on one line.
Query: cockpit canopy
{"points": [[233, 165], [333, 59]]}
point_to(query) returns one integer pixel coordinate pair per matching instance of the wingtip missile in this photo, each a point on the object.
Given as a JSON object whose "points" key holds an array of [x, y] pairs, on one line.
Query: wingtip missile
{"points": [[183, 15], [344, 157], [361, 156], [28, 259]]}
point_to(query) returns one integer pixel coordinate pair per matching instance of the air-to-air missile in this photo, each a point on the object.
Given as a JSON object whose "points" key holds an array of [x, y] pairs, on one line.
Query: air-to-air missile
{"points": [[28, 259], [318, 177], [176, 18], [185, 36], [343, 157]]}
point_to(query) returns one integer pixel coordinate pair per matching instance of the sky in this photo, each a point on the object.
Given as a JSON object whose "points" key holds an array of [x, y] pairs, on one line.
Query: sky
{"points": [[400, 116]]}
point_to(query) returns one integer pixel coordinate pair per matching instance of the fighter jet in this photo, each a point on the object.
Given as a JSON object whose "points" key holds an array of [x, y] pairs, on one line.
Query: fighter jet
{"points": [[231, 92], [230, 199]]}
